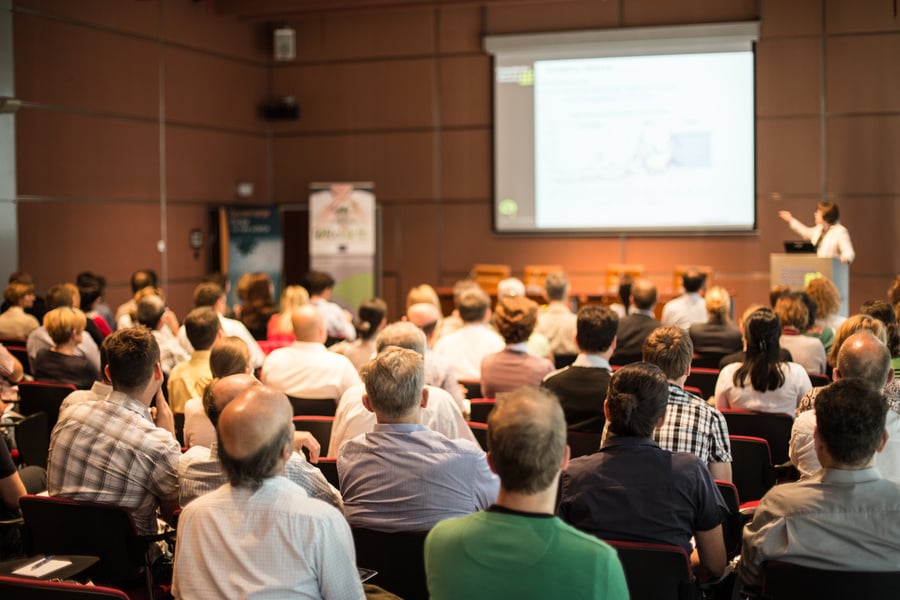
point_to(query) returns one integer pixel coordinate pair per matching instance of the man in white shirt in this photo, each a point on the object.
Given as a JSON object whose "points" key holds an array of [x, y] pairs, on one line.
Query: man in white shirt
{"points": [[338, 322], [690, 307], [306, 369], [465, 347], [210, 294], [259, 534], [441, 414]]}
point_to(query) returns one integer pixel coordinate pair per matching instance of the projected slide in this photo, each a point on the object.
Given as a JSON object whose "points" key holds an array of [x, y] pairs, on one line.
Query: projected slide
{"points": [[669, 136]]}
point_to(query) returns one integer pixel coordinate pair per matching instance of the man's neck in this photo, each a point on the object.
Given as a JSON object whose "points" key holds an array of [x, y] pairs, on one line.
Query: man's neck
{"points": [[410, 418], [541, 503]]}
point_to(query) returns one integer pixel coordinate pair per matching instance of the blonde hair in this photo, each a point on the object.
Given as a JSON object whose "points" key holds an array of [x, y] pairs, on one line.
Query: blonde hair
{"points": [[826, 296], [718, 303], [292, 296], [423, 294], [64, 322], [855, 324]]}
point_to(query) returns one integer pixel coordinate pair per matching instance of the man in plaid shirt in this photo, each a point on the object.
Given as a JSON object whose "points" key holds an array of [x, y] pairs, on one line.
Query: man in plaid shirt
{"points": [[691, 425]]}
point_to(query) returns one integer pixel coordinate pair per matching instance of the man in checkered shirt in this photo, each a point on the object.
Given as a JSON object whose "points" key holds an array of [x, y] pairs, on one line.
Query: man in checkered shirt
{"points": [[691, 425], [112, 450]]}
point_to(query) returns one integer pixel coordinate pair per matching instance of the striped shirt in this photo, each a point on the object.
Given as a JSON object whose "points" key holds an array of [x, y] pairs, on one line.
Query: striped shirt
{"points": [[692, 425]]}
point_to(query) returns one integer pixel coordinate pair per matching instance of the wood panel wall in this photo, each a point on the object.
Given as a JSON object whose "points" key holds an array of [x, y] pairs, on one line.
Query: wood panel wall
{"points": [[138, 116], [402, 97]]}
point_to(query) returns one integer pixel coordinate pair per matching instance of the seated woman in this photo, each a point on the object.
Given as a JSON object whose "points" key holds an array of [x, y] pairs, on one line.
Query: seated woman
{"points": [[15, 322], [60, 363], [512, 367], [258, 307], [814, 328], [280, 329], [794, 317], [717, 337], [372, 319], [884, 312], [762, 382], [828, 302]]}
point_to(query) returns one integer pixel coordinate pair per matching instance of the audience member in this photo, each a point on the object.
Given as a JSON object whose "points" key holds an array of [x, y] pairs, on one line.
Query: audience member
{"points": [[14, 321], [763, 382], [864, 357], [845, 517], [513, 366], [90, 289], [306, 369], [11, 373], [213, 296], [258, 305], [718, 336], [153, 314], [372, 319], [260, 534], [338, 322], [441, 414], [581, 387], [111, 451], [884, 312], [537, 344], [61, 295], [281, 328], [737, 357], [403, 476], [633, 490], [228, 356], [188, 379], [517, 548], [828, 300], [200, 468], [465, 348], [15, 483], [814, 328], [438, 372], [806, 351], [453, 321], [60, 363], [689, 307], [636, 326], [556, 321], [690, 425]]}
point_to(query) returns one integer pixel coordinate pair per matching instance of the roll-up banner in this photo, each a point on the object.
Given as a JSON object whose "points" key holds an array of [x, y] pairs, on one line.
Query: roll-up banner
{"points": [[251, 243]]}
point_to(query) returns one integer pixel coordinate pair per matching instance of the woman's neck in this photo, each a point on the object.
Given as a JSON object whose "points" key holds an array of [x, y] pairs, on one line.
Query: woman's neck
{"points": [[67, 348]]}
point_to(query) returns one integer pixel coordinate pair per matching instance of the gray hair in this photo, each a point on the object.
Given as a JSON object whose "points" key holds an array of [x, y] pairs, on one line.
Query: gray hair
{"points": [[394, 381], [402, 334]]}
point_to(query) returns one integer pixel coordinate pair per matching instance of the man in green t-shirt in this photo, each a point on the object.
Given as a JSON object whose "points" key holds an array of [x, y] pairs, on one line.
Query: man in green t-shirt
{"points": [[517, 548]]}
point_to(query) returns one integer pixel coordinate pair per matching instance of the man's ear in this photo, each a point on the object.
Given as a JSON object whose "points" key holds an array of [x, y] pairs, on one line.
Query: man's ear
{"points": [[424, 397], [367, 403]]}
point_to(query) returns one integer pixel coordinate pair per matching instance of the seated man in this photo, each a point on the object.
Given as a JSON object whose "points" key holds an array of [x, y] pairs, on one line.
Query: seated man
{"points": [[633, 490], [259, 534], [438, 372], [690, 425], [200, 469], [556, 320], [845, 517], [153, 314], [306, 369], [517, 548], [441, 415], [188, 379], [403, 476], [338, 322], [637, 325], [862, 356], [111, 451], [581, 387], [689, 307], [465, 347]]}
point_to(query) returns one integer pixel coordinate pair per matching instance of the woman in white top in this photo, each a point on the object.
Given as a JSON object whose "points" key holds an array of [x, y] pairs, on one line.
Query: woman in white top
{"points": [[831, 239], [762, 382]]}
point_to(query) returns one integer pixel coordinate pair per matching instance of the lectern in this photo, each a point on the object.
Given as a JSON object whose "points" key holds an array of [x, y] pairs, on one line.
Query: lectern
{"points": [[794, 270]]}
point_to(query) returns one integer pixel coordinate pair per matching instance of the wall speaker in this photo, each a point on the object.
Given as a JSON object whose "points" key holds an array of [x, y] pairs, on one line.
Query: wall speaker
{"points": [[284, 44]]}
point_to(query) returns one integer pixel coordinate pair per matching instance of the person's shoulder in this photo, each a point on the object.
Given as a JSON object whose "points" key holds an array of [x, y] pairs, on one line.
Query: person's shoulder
{"points": [[570, 536]]}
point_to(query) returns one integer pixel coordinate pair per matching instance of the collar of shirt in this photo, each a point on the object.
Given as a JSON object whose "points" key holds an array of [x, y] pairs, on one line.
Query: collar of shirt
{"points": [[129, 403], [521, 347], [627, 440], [399, 427], [200, 357], [591, 360], [677, 395], [641, 311], [313, 346], [850, 475]]}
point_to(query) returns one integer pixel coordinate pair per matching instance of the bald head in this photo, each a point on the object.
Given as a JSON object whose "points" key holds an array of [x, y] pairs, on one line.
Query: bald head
{"points": [[423, 314], [221, 391], [308, 324], [864, 356], [255, 433]]}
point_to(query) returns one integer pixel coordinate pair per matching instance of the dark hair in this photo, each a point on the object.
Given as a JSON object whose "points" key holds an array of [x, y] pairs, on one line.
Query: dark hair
{"points": [[830, 213], [850, 418], [59, 295], [693, 280], [777, 292], [527, 439], [812, 309], [473, 305], [670, 349], [636, 400], [90, 288], [150, 310], [625, 283], [209, 402], [258, 302], [202, 325], [317, 282], [762, 332], [142, 279], [884, 312], [131, 354], [207, 294], [515, 318], [643, 292], [595, 328], [371, 314], [251, 471]]}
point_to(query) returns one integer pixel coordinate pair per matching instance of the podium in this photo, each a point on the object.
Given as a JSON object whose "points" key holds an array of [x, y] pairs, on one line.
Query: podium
{"points": [[793, 270]]}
